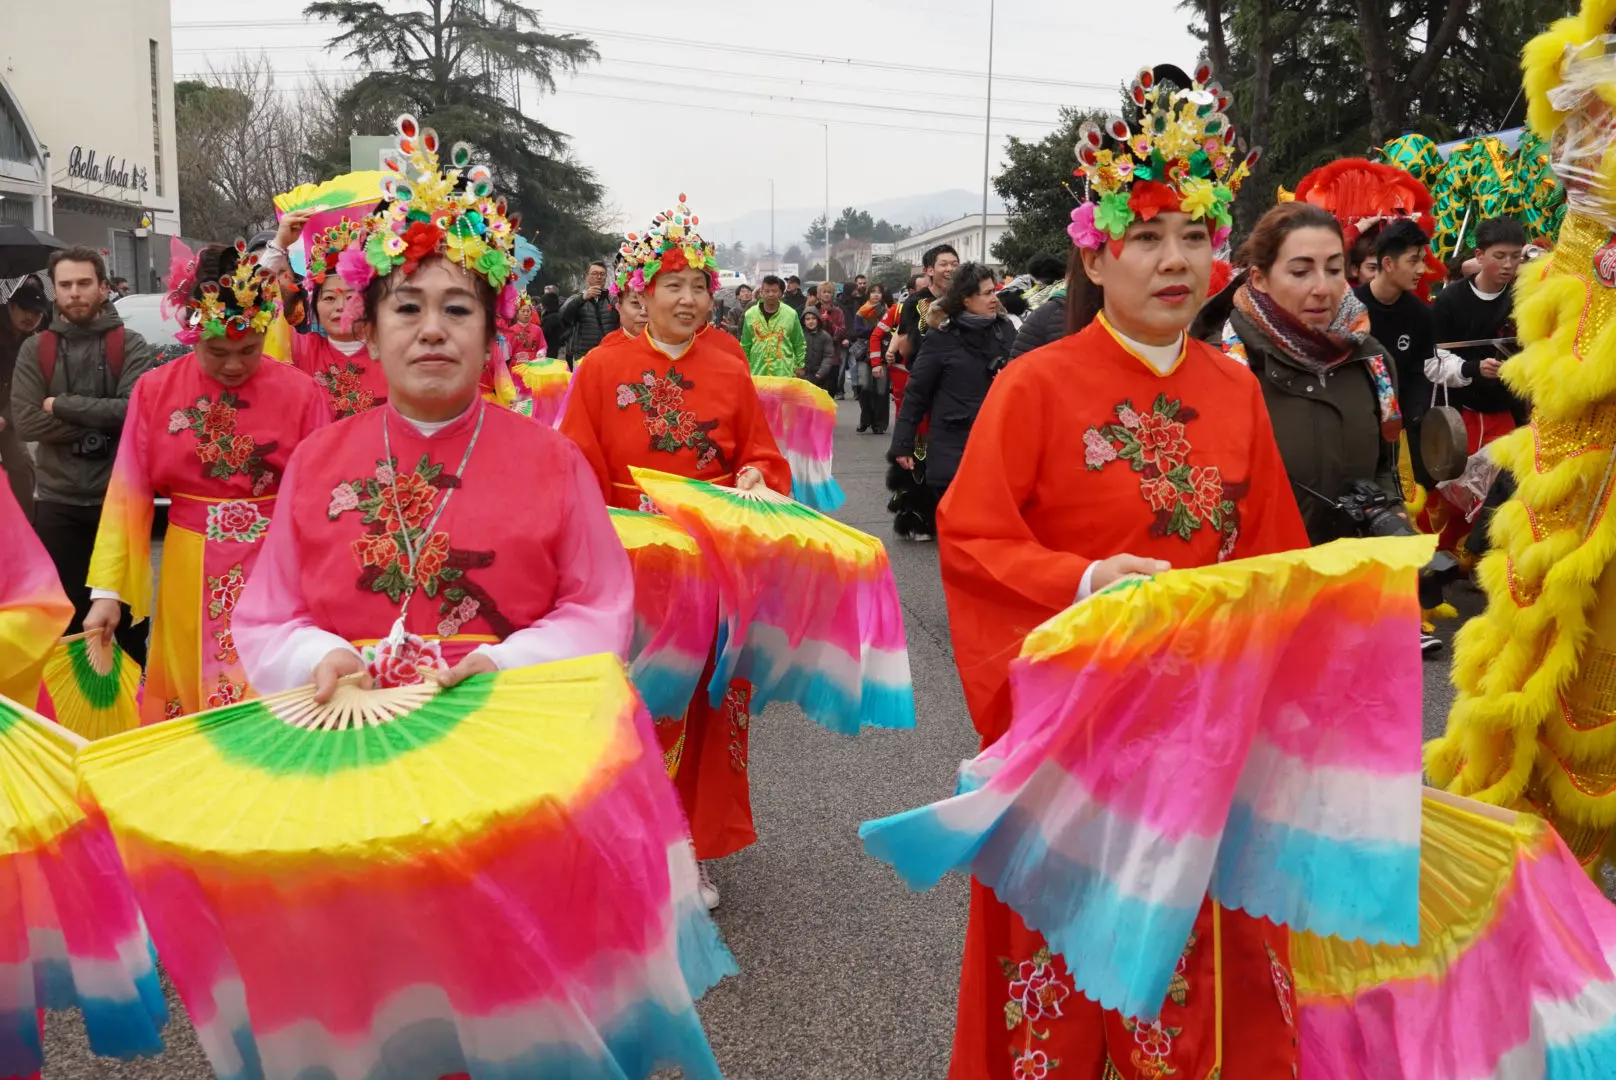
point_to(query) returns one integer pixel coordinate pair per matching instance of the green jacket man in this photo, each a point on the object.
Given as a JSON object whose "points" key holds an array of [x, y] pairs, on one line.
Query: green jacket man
{"points": [[773, 342]]}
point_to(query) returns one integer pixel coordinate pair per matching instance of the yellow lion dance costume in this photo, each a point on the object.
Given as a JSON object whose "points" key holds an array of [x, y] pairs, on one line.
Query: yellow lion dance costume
{"points": [[1534, 725]]}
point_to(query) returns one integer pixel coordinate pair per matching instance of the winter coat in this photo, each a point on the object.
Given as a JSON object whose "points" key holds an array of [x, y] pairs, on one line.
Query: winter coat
{"points": [[1045, 325], [588, 321], [1328, 428], [948, 382], [86, 400], [10, 345], [821, 358], [773, 344]]}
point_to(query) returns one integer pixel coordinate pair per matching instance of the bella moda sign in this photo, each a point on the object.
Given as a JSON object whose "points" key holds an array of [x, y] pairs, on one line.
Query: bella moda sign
{"points": [[82, 165]]}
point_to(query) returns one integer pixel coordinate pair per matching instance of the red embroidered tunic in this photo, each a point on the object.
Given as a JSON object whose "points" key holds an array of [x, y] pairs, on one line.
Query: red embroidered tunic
{"points": [[353, 381], [1083, 451], [218, 453], [522, 563], [697, 416]]}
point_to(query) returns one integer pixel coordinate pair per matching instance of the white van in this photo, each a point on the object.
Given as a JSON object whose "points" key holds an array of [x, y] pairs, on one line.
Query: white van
{"points": [[731, 279]]}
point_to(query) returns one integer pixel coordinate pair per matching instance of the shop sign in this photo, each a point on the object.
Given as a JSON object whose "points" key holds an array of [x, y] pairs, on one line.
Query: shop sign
{"points": [[116, 171]]}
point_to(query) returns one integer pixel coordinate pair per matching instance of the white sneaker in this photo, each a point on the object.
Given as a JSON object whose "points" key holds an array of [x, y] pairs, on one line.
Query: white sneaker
{"points": [[709, 891]]}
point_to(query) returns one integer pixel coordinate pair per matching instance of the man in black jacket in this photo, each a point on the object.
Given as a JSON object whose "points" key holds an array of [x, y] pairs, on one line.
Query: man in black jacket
{"points": [[588, 316], [1476, 309], [1402, 323], [19, 318], [794, 297]]}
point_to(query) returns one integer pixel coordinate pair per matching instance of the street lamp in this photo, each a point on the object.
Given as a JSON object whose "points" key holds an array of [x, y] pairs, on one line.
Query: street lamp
{"points": [[987, 131], [827, 200]]}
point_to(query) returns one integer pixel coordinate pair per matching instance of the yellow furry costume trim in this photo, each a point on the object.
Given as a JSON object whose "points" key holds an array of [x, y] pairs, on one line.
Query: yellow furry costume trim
{"points": [[1535, 718]]}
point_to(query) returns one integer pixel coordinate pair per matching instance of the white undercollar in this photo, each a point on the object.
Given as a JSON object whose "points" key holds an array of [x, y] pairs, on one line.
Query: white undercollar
{"points": [[1161, 357]]}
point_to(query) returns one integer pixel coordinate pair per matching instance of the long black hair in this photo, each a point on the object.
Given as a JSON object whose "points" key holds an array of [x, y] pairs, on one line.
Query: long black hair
{"points": [[966, 281]]}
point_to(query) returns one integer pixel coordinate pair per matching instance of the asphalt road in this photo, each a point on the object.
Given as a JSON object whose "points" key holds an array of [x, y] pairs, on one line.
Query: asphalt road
{"points": [[845, 974]]}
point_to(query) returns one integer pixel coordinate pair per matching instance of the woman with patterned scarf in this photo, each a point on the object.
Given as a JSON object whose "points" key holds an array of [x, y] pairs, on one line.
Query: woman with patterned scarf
{"points": [[1330, 390]]}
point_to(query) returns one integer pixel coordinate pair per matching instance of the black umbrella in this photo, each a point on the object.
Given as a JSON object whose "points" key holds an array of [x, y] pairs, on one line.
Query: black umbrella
{"points": [[24, 250]]}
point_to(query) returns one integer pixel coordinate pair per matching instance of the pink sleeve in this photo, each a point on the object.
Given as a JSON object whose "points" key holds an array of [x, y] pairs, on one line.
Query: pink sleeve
{"points": [[316, 412], [275, 634], [121, 562], [33, 609], [594, 607]]}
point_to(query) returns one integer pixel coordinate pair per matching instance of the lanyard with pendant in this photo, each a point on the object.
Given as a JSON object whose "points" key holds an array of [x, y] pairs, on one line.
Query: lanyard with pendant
{"points": [[414, 548]]}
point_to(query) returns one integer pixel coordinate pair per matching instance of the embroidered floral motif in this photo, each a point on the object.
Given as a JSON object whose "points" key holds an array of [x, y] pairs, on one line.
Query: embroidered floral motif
{"points": [[1178, 990], [237, 520], [223, 593], [342, 384], [173, 709], [648, 505], [227, 692], [394, 507], [1035, 990], [673, 427], [1153, 1045], [1185, 498], [738, 714], [223, 450]]}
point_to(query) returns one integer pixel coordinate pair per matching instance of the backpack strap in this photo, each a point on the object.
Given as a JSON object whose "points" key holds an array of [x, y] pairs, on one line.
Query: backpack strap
{"points": [[112, 346], [48, 340]]}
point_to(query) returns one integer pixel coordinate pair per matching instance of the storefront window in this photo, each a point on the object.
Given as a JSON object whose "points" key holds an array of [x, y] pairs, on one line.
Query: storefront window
{"points": [[14, 145]]}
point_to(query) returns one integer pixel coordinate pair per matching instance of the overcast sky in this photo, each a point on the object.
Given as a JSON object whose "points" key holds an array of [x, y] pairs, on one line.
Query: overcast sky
{"points": [[901, 89]]}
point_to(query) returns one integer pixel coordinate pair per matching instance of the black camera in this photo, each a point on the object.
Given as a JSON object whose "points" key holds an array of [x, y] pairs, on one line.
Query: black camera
{"points": [[93, 444], [1374, 511]]}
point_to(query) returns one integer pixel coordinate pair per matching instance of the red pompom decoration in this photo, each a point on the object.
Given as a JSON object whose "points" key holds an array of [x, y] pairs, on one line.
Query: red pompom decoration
{"points": [[1147, 198]]}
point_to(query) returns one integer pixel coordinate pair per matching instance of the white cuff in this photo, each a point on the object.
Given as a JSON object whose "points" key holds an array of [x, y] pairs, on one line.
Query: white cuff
{"points": [[1085, 588], [105, 594]]}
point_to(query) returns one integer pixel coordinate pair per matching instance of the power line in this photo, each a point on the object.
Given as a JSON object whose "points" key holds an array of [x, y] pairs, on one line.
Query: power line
{"points": [[747, 50]]}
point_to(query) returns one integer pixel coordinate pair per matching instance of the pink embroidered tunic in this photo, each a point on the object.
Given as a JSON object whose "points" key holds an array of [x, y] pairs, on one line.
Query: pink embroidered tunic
{"points": [[351, 378], [218, 453], [515, 555]]}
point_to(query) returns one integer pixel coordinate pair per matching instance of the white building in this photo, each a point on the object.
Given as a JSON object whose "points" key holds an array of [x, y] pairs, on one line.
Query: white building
{"points": [[964, 235], [87, 127]]}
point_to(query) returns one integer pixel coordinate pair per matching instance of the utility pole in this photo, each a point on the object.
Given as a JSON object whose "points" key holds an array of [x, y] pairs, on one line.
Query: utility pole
{"points": [[827, 200], [773, 251], [987, 132]]}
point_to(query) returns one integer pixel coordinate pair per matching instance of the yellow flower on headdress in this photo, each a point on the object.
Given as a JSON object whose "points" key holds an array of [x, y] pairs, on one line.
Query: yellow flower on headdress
{"points": [[1197, 198], [463, 249], [261, 321], [393, 244]]}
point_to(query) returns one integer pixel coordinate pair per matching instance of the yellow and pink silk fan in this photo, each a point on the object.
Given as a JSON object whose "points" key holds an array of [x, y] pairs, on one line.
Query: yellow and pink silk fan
{"points": [[675, 610], [71, 936], [489, 881], [808, 609], [802, 418]]}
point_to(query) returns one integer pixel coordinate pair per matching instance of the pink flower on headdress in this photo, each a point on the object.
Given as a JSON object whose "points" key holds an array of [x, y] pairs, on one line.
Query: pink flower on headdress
{"points": [[1220, 236], [1082, 230], [636, 280], [507, 302], [355, 270]]}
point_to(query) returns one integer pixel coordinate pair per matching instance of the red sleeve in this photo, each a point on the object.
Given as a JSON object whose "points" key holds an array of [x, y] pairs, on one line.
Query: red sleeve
{"points": [[1269, 518], [581, 421]]}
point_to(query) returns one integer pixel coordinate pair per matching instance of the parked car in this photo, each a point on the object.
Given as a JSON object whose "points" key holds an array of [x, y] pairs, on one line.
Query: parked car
{"points": [[142, 313]]}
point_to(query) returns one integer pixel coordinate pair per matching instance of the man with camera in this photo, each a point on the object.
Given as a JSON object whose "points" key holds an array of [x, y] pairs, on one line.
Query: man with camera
{"points": [[69, 394]]}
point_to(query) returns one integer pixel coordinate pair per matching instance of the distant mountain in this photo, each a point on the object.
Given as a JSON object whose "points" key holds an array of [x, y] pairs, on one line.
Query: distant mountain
{"points": [[791, 221]]}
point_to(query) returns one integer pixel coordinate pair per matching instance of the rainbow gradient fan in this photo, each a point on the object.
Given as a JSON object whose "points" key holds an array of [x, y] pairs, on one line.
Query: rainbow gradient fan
{"points": [[1249, 731], [1512, 976], [803, 420], [71, 936], [93, 687], [547, 382], [808, 610], [488, 881], [675, 610]]}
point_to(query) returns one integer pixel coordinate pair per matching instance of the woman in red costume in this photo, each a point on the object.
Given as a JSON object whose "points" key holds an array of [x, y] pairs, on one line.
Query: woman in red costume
{"points": [[1126, 447], [682, 401]]}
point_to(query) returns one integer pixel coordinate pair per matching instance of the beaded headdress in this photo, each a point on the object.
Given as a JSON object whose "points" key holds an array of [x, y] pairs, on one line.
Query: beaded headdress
{"points": [[243, 302], [1184, 157], [671, 243], [429, 211], [327, 246]]}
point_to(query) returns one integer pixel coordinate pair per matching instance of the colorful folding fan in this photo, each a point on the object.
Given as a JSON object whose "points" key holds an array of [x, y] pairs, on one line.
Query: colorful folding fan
{"points": [[803, 420], [351, 195], [1512, 976], [93, 686], [33, 609], [808, 610], [547, 382], [489, 881], [675, 610], [1249, 731], [70, 934]]}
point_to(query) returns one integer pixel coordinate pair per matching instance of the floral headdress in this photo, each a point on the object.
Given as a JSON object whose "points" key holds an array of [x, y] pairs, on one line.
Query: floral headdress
{"points": [[327, 246], [671, 243], [432, 212], [244, 302], [1184, 157]]}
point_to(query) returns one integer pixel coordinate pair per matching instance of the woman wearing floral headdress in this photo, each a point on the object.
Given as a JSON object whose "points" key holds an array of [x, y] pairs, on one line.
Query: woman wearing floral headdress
{"points": [[682, 401], [212, 431], [332, 352], [1176, 466], [438, 531]]}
